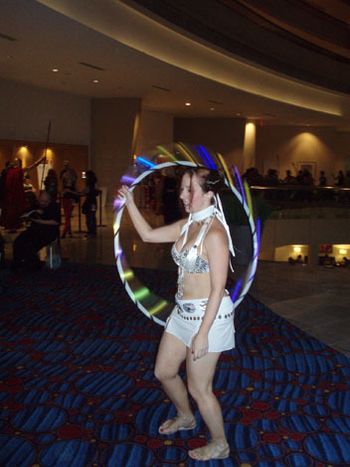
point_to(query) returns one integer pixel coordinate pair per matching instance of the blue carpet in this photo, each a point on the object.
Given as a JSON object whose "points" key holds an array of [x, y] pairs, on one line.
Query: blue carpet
{"points": [[77, 387]]}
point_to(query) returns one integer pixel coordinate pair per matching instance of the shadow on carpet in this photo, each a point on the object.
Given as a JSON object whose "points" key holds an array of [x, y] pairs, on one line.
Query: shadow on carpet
{"points": [[77, 386]]}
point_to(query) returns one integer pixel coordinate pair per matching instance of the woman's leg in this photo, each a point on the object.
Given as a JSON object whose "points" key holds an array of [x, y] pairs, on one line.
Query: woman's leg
{"points": [[21, 248], [70, 212], [87, 222], [67, 202], [171, 353], [93, 223], [200, 374]]}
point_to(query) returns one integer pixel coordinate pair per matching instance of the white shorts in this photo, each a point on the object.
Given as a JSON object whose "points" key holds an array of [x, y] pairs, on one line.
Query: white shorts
{"points": [[186, 317]]}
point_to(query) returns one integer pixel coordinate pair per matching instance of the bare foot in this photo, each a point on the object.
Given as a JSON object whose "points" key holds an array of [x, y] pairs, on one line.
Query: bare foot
{"points": [[179, 423], [213, 450]]}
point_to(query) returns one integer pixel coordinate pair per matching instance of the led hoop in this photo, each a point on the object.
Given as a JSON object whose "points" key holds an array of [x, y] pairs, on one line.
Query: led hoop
{"points": [[153, 306]]}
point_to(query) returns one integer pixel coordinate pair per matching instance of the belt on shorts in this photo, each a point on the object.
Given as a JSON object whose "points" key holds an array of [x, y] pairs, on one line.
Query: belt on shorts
{"points": [[193, 310]]}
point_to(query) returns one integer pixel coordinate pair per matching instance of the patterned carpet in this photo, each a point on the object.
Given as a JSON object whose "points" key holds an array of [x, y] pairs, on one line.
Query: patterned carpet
{"points": [[77, 387]]}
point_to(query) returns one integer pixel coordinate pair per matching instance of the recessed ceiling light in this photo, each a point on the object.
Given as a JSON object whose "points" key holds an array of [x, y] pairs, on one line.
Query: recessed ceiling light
{"points": [[212, 108], [54, 70], [95, 81], [187, 104]]}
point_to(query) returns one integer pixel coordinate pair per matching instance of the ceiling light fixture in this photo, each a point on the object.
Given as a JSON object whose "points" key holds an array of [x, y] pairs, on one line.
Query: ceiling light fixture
{"points": [[212, 101], [95, 81], [187, 104], [212, 108], [54, 70], [7, 38], [160, 88], [91, 65]]}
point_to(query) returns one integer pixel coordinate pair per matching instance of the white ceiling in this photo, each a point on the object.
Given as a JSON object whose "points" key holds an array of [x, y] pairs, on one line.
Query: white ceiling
{"points": [[46, 39]]}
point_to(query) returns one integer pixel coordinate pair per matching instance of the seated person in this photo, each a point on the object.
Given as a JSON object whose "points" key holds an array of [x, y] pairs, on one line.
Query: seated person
{"points": [[328, 261], [345, 262], [42, 230]]}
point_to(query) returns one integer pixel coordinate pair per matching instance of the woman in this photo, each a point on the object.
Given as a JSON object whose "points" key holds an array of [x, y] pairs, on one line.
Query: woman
{"points": [[89, 206], [201, 325], [69, 196], [51, 184]]}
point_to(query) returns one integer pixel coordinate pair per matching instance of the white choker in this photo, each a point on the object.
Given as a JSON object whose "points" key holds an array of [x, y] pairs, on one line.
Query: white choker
{"points": [[203, 214]]}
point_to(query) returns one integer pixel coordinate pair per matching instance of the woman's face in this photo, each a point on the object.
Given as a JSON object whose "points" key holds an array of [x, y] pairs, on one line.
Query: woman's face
{"points": [[192, 195]]}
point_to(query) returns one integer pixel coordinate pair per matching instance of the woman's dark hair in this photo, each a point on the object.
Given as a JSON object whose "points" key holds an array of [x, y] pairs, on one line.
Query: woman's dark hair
{"points": [[209, 180], [91, 178], [52, 173]]}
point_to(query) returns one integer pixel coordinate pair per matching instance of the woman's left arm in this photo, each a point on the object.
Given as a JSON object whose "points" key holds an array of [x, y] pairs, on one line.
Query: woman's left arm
{"points": [[39, 161], [216, 245]]}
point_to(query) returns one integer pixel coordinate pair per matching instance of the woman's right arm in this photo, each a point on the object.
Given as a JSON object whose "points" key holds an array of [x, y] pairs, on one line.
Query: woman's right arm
{"points": [[164, 234]]}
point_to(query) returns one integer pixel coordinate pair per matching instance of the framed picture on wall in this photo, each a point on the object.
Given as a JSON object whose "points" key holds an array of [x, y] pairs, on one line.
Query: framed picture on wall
{"points": [[326, 248], [310, 166]]}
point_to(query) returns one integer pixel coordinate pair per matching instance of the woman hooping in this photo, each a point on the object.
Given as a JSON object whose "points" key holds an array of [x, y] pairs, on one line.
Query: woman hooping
{"points": [[201, 325]]}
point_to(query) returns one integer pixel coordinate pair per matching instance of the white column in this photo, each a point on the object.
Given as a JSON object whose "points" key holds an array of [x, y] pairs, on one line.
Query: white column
{"points": [[249, 145], [114, 131]]}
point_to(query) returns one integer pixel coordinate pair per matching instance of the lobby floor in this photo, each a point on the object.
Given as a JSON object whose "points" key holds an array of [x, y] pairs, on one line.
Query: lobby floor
{"points": [[316, 300]]}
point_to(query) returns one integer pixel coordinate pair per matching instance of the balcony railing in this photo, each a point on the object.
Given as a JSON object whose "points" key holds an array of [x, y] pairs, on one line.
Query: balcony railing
{"points": [[286, 197]]}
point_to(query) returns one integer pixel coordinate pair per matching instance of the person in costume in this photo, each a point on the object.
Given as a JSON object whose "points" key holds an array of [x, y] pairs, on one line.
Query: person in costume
{"points": [[89, 207], [14, 202], [70, 196], [201, 325]]}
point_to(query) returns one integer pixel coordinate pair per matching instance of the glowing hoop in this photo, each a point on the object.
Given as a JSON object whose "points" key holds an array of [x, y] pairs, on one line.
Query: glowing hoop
{"points": [[153, 306]]}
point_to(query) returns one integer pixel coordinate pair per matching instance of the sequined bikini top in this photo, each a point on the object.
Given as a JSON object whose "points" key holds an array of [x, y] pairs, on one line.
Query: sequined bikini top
{"points": [[188, 259]]}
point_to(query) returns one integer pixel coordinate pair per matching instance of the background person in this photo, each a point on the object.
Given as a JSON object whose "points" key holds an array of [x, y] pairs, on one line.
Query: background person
{"points": [[43, 229], [51, 184], [14, 200], [89, 206], [170, 201], [70, 196]]}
